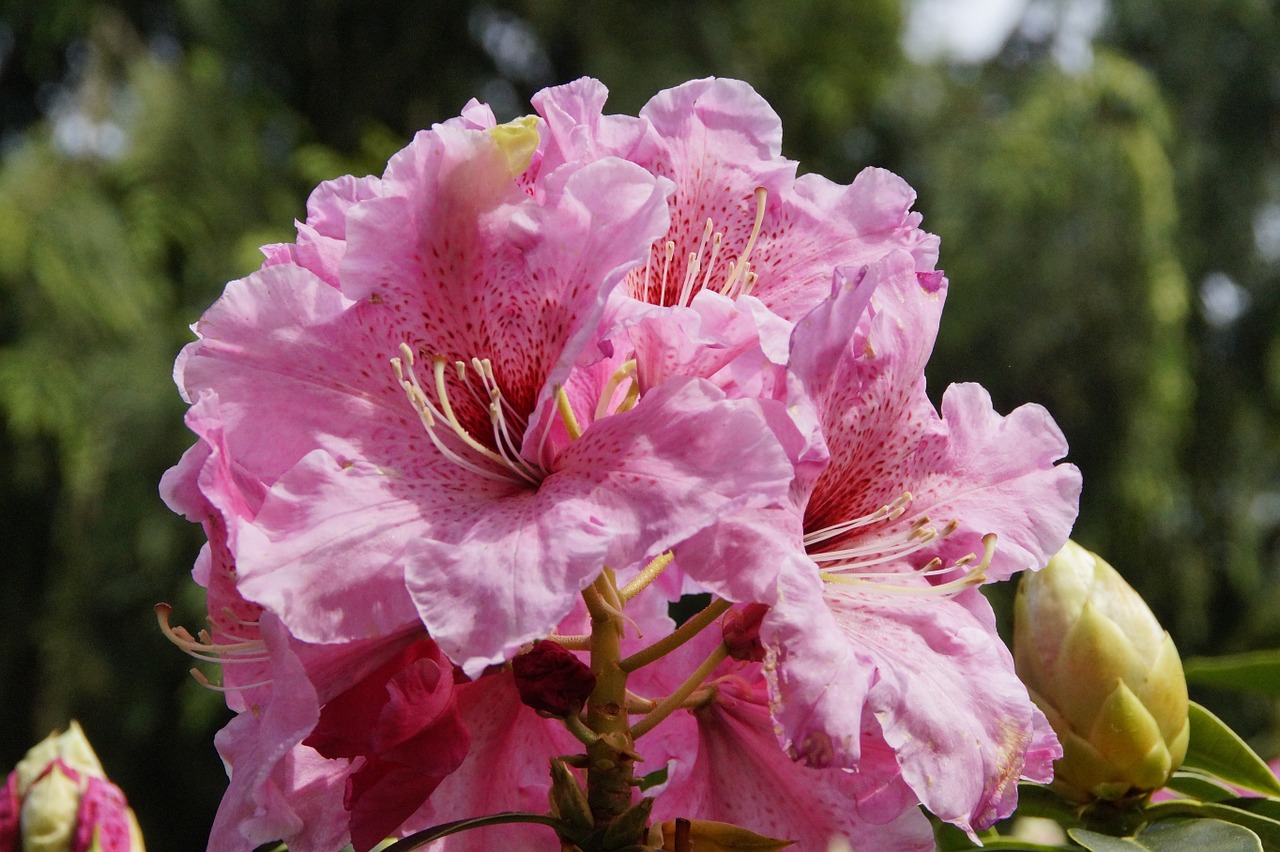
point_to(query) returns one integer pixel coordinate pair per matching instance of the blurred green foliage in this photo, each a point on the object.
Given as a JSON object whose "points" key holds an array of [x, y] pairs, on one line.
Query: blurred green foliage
{"points": [[1111, 232]]}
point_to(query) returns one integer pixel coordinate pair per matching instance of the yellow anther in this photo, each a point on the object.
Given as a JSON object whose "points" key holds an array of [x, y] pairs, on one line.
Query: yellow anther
{"points": [[566, 414]]}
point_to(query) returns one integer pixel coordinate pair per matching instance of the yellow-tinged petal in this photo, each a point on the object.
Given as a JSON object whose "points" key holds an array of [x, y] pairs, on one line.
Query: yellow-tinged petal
{"points": [[518, 140], [1178, 746], [1152, 770], [1124, 730], [49, 813], [1080, 769], [710, 836], [1164, 691], [1095, 655]]}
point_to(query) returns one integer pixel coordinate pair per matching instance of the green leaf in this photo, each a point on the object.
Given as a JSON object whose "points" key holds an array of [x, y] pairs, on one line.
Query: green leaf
{"points": [[1097, 842], [1264, 807], [1195, 835], [1196, 786], [1200, 835], [1257, 671], [1218, 751], [1264, 827], [653, 779]]}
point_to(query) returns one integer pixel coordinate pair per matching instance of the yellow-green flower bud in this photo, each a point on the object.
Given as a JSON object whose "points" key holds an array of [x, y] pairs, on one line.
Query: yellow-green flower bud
{"points": [[57, 799], [1105, 673]]}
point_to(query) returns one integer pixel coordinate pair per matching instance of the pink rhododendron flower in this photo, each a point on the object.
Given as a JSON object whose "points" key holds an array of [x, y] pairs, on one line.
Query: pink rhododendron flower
{"points": [[530, 351], [913, 510], [393, 381], [856, 362], [403, 720], [741, 221]]}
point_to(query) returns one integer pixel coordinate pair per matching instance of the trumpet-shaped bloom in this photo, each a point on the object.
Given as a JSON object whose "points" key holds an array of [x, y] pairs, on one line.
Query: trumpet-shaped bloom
{"points": [[884, 485], [886, 641], [529, 351], [741, 221], [393, 380]]}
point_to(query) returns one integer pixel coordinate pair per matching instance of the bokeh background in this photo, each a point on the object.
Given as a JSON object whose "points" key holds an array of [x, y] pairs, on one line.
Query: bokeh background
{"points": [[1105, 176]]}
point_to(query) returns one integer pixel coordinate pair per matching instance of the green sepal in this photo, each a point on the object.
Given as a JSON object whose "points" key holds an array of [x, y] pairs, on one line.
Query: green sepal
{"points": [[628, 828], [569, 803], [1218, 751], [653, 779]]}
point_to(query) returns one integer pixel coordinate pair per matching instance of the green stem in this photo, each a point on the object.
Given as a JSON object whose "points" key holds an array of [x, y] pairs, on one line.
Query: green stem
{"points": [[610, 759], [413, 841], [676, 638], [673, 701]]}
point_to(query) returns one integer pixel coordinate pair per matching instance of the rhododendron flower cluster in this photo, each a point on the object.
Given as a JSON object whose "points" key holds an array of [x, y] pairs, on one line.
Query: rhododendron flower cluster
{"points": [[462, 443]]}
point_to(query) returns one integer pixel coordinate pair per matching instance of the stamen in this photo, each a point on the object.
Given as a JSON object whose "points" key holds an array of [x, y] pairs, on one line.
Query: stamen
{"points": [[877, 552], [623, 373], [888, 512], [716, 239], [694, 266], [741, 269], [566, 414], [890, 584], [200, 678], [507, 454], [670, 252], [204, 648]]}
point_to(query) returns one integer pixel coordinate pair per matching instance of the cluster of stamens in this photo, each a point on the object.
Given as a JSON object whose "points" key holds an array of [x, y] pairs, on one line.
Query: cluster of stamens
{"points": [[856, 564], [739, 280], [502, 462], [203, 647]]}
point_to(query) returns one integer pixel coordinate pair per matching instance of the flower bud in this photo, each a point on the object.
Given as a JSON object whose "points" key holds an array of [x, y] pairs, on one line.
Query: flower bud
{"points": [[1106, 675], [57, 799], [741, 631], [551, 679]]}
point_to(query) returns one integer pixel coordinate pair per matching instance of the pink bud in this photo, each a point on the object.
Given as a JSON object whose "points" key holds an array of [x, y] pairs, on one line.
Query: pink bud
{"points": [[105, 815], [742, 632], [10, 813], [551, 679], [59, 798]]}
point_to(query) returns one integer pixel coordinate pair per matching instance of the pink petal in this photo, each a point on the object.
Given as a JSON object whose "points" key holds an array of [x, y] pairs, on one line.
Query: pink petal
{"points": [[507, 769], [102, 820], [257, 745], [10, 813], [741, 776], [937, 681], [635, 484]]}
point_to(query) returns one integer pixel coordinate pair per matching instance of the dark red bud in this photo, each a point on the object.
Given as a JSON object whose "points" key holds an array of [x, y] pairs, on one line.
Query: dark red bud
{"points": [[551, 679], [742, 632]]}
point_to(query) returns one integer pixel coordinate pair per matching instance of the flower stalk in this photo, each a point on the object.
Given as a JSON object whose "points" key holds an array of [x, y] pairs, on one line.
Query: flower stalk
{"points": [[677, 637], [611, 757]]}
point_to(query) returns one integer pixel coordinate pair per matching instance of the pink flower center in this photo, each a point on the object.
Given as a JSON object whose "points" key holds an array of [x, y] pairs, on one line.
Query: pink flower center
{"points": [[660, 288]]}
